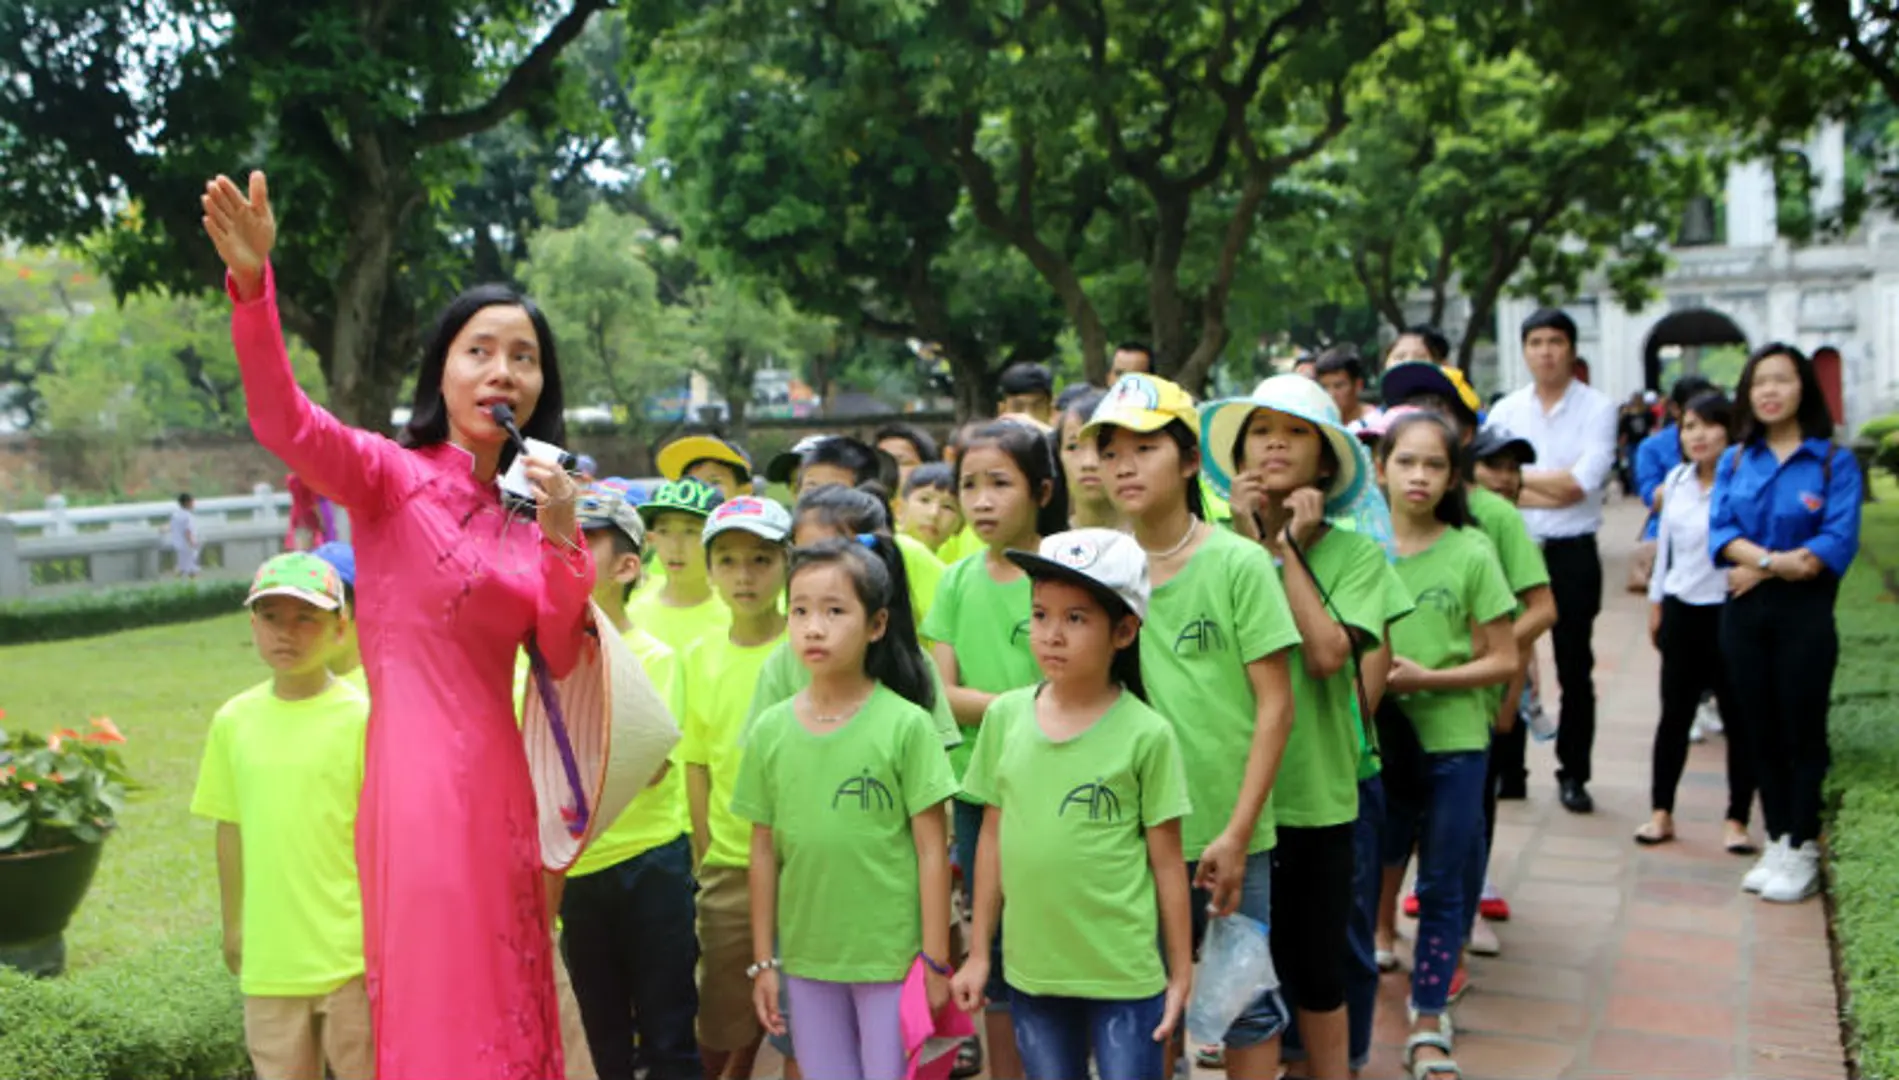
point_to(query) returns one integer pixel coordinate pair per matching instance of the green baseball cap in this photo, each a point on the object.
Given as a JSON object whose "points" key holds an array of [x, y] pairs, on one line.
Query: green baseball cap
{"points": [[299, 574], [685, 496]]}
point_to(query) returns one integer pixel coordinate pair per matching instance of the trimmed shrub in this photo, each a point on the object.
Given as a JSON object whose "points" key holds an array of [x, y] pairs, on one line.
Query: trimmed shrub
{"points": [[1879, 427], [172, 1013], [112, 610]]}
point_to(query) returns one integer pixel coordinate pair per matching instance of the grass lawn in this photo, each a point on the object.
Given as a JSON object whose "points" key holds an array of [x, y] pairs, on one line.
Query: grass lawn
{"points": [[158, 878], [1863, 835]]}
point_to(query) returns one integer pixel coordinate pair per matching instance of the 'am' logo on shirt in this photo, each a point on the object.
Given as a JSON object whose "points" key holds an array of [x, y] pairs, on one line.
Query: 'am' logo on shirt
{"points": [[1021, 631], [1439, 598], [866, 791], [1098, 797], [1202, 635]]}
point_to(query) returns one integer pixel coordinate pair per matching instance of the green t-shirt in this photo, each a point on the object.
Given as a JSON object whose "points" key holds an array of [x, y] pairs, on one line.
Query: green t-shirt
{"points": [[678, 627], [1502, 523], [657, 815], [288, 774], [1457, 581], [925, 572], [1082, 915], [987, 623], [1318, 779], [783, 676], [839, 806], [1224, 610], [719, 678]]}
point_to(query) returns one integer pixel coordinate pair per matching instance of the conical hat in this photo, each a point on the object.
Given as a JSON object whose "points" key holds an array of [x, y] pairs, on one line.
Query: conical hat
{"points": [[618, 731]]}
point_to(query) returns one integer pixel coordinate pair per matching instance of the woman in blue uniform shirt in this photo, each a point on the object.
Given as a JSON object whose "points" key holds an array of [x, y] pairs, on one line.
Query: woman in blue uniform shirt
{"points": [[1785, 519]]}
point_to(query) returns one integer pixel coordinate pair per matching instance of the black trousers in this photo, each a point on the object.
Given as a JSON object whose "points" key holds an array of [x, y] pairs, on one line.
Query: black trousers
{"points": [[1576, 584], [1690, 642], [1781, 646], [631, 949]]}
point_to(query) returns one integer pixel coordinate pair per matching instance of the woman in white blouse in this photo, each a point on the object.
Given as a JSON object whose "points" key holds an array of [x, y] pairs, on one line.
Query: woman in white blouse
{"points": [[1686, 593]]}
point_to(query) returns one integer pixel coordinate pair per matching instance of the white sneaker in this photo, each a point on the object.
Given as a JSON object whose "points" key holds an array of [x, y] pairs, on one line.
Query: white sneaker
{"points": [[1768, 866], [1697, 731], [1798, 876], [1708, 718], [1483, 939]]}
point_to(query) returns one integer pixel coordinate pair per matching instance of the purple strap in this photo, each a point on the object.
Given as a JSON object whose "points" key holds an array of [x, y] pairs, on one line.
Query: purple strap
{"points": [[544, 684]]}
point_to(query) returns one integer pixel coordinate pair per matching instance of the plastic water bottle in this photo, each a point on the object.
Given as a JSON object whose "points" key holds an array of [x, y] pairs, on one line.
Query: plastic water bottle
{"points": [[1531, 714]]}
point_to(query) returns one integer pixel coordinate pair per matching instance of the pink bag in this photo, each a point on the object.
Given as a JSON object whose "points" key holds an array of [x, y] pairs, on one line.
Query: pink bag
{"points": [[930, 1041]]}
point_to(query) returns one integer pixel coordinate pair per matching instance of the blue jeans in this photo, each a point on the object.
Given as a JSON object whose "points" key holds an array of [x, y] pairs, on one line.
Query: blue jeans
{"points": [[627, 934], [1450, 831], [968, 818], [1267, 1017], [1054, 1035], [1361, 951]]}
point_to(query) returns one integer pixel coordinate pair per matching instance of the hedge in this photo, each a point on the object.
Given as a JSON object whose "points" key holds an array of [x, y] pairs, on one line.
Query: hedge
{"points": [[1863, 791], [172, 1013], [1879, 427], [112, 610]]}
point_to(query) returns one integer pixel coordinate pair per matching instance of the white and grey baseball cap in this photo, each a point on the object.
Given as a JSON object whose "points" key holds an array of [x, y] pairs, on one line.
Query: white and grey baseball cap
{"points": [[1107, 562]]}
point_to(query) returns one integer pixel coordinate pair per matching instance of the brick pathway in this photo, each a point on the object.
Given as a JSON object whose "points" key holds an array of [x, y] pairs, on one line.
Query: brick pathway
{"points": [[1624, 961]]}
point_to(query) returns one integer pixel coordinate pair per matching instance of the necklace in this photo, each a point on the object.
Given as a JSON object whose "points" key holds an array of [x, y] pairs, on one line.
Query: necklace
{"points": [[1193, 528], [843, 714]]}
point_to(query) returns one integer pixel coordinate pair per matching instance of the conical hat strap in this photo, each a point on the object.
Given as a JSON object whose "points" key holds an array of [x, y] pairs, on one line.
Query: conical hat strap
{"points": [[557, 723]]}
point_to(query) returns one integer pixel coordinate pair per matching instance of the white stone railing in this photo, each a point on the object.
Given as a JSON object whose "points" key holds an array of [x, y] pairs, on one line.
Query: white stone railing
{"points": [[65, 549]]}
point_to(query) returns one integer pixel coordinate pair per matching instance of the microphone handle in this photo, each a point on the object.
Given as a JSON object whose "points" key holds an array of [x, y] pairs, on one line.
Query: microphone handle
{"points": [[566, 461]]}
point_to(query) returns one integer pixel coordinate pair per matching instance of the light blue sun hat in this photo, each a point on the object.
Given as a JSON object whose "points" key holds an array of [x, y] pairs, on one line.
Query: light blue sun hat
{"points": [[1222, 423]]}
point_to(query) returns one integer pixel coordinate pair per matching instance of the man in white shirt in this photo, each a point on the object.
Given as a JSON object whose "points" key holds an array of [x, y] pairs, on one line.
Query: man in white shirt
{"points": [[1573, 429], [182, 536]]}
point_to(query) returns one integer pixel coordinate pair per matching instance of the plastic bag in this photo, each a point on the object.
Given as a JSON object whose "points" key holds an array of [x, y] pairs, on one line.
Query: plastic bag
{"points": [[1236, 967]]}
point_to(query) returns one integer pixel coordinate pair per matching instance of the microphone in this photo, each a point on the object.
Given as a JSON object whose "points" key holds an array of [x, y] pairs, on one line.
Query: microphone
{"points": [[504, 416]]}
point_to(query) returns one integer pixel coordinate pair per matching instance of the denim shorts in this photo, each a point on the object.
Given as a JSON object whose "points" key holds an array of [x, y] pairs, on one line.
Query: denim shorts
{"points": [[1267, 1016]]}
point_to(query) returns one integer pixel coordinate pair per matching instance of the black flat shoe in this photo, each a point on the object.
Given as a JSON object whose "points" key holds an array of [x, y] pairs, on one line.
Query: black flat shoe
{"points": [[1575, 797]]}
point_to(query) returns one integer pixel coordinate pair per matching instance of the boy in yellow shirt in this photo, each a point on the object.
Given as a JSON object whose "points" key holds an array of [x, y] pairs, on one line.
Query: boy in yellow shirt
{"points": [[682, 609], [282, 772], [627, 911], [746, 544]]}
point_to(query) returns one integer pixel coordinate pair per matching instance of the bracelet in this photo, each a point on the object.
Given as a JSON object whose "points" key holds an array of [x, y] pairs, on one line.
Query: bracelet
{"points": [[930, 962], [760, 968]]}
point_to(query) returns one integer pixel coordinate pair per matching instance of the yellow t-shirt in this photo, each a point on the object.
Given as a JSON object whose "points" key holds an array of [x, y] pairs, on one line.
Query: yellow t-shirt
{"points": [[288, 774], [924, 570], [960, 547], [678, 627], [657, 815], [720, 678], [359, 678]]}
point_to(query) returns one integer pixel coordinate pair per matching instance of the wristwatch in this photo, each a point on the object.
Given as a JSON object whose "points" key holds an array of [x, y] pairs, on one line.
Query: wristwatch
{"points": [[1766, 561]]}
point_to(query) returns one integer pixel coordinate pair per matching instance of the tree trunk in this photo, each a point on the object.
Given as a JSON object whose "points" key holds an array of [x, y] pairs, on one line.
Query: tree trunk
{"points": [[357, 396], [1166, 309]]}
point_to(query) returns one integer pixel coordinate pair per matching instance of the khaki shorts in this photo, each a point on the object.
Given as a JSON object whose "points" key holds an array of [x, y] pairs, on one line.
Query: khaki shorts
{"points": [[292, 1038], [573, 1037], [727, 1021]]}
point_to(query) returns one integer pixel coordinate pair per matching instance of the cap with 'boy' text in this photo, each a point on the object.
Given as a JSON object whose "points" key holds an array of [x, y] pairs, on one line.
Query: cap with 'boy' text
{"points": [[681, 496]]}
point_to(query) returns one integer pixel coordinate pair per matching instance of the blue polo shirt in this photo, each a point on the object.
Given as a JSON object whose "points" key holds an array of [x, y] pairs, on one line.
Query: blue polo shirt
{"points": [[1654, 456], [1784, 505]]}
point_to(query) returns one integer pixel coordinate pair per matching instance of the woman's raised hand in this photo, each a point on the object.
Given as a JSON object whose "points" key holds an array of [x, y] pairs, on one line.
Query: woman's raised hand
{"points": [[243, 229]]}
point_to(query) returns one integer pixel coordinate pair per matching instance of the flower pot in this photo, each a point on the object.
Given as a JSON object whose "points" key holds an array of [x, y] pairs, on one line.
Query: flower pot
{"points": [[39, 891]]}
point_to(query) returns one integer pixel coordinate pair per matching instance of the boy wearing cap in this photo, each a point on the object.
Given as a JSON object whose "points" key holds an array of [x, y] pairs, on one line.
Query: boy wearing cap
{"points": [[711, 461], [746, 546], [683, 609], [281, 775], [627, 911]]}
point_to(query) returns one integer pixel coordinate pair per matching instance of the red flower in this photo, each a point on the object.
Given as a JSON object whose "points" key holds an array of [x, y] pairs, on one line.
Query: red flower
{"points": [[56, 778], [30, 786], [105, 731]]}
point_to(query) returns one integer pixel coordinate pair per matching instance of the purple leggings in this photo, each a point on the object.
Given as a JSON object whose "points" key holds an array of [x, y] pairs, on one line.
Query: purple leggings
{"points": [[847, 1031]]}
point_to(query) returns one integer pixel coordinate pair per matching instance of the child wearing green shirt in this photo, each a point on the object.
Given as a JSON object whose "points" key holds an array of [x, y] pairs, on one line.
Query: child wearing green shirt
{"points": [[627, 909], [1289, 465], [281, 775], [1011, 493], [1215, 652], [745, 544], [1454, 645], [683, 609], [845, 786], [1083, 792]]}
